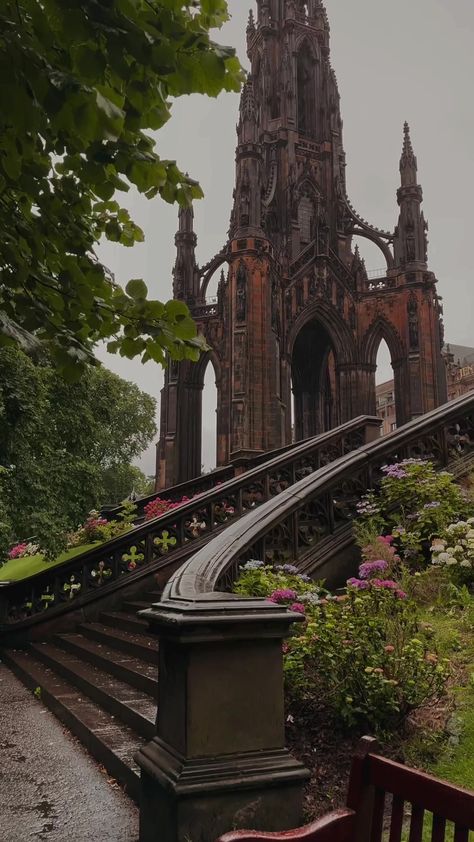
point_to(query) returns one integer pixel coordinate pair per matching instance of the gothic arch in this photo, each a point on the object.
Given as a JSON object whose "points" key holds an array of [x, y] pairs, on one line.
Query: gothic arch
{"points": [[211, 269], [374, 238], [198, 370], [338, 331], [380, 329]]}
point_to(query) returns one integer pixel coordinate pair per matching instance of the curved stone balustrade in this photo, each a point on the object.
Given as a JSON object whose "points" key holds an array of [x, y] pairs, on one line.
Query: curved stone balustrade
{"points": [[219, 755], [163, 543]]}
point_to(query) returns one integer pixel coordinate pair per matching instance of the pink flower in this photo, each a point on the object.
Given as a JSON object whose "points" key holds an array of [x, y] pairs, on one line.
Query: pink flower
{"points": [[359, 584], [298, 607], [18, 550], [283, 595], [386, 539], [388, 584], [401, 594], [389, 649]]}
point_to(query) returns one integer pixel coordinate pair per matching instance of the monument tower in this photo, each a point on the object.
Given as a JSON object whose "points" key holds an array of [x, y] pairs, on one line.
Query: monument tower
{"points": [[297, 321]]}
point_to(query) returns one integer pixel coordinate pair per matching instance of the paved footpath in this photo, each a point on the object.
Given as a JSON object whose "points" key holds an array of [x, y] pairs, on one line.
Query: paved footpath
{"points": [[50, 788]]}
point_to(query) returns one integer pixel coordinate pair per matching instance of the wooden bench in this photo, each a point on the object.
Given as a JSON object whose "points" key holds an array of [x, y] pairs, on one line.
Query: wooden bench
{"points": [[384, 801]]}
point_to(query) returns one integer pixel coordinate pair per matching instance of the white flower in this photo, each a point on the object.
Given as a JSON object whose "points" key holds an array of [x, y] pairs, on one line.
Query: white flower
{"points": [[465, 563], [451, 561], [443, 558]]}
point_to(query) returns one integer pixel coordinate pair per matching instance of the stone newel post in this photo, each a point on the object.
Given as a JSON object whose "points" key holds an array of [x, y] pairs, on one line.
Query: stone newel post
{"points": [[218, 761]]}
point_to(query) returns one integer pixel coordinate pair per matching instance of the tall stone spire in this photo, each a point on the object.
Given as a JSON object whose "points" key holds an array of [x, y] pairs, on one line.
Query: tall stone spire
{"points": [[410, 244]]}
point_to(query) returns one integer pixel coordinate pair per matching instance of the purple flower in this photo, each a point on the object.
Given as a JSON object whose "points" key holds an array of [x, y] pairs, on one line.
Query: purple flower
{"points": [[394, 471], [290, 569], [433, 505], [369, 567], [304, 577], [359, 584], [283, 595]]}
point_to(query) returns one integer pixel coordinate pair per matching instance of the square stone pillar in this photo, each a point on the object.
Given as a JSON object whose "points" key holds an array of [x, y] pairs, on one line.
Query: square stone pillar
{"points": [[219, 761]]}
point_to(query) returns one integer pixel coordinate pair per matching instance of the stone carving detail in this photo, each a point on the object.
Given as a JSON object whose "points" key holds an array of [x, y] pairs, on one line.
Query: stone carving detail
{"points": [[241, 294], [413, 324]]}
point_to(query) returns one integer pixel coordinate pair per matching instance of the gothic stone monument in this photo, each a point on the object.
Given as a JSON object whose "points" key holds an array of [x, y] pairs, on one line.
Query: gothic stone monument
{"points": [[296, 310]]}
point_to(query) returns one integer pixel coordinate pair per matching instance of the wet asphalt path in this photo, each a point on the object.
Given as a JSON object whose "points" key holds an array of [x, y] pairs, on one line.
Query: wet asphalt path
{"points": [[51, 790]]}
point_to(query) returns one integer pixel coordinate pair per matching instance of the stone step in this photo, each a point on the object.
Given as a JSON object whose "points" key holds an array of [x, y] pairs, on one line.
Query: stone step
{"points": [[142, 646], [153, 596], [136, 605], [133, 707], [134, 671], [125, 622], [112, 743]]}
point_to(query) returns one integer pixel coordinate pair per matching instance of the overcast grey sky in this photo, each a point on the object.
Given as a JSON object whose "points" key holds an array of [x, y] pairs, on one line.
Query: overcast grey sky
{"points": [[410, 60]]}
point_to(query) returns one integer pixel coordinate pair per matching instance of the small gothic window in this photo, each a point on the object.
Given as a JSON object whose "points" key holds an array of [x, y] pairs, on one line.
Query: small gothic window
{"points": [[305, 220]]}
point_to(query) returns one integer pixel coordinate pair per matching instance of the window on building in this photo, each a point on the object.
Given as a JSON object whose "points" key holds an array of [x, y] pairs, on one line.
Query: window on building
{"points": [[393, 427]]}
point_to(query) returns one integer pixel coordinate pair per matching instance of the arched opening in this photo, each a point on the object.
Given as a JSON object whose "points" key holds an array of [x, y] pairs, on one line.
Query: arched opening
{"points": [[209, 420], [385, 389], [306, 90], [372, 257], [314, 382]]}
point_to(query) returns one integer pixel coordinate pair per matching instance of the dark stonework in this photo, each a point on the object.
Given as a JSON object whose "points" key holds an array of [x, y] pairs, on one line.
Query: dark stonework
{"points": [[293, 262], [219, 760]]}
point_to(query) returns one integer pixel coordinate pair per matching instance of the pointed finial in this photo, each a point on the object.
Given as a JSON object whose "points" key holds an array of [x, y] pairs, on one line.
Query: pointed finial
{"points": [[251, 22], [408, 162]]}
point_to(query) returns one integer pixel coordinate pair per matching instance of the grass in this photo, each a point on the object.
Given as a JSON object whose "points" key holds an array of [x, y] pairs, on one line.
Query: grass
{"points": [[451, 757], [21, 568]]}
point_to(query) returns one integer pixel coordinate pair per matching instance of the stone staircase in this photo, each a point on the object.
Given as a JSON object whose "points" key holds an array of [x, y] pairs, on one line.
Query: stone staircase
{"points": [[102, 682]]}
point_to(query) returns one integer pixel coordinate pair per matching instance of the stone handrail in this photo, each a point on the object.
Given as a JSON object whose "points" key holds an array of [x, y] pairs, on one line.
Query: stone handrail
{"points": [[446, 434], [218, 760], [161, 542]]}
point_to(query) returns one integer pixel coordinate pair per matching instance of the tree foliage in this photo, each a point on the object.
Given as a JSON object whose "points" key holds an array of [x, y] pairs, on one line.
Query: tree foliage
{"points": [[120, 480], [81, 84], [59, 441]]}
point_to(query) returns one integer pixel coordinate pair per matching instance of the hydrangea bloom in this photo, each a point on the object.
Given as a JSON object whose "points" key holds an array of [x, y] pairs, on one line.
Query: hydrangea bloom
{"points": [[284, 595], [253, 565], [290, 569], [298, 607], [359, 584], [367, 569], [387, 584]]}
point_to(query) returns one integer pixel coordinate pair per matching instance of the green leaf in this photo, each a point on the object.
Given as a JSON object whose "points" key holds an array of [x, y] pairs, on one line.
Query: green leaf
{"points": [[137, 289]]}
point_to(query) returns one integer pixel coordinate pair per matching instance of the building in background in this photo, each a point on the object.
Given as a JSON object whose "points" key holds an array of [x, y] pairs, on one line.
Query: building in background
{"points": [[460, 376]]}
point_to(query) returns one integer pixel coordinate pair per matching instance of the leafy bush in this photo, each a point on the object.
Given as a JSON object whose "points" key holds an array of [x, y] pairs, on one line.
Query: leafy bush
{"points": [[454, 551], [96, 528], [361, 655], [283, 584], [415, 503]]}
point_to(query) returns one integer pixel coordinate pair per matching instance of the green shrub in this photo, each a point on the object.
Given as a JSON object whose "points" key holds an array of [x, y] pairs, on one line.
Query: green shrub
{"points": [[361, 655], [453, 551], [415, 503]]}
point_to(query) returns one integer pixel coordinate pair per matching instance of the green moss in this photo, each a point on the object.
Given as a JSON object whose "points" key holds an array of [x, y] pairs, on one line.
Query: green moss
{"points": [[21, 568]]}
